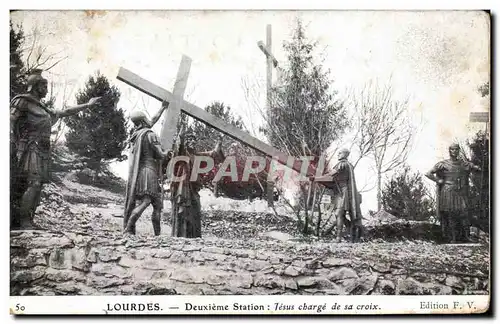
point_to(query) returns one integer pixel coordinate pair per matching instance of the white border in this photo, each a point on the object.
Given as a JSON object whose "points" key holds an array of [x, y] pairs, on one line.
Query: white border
{"points": [[249, 305], [214, 4]]}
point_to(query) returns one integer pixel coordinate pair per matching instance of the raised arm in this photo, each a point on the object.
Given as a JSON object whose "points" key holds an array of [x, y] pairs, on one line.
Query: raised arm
{"points": [[156, 117], [217, 154]]}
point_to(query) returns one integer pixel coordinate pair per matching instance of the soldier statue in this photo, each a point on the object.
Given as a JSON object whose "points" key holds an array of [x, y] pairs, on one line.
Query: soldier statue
{"points": [[31, 122], [452, 192], [146, 164], [346, 198]]}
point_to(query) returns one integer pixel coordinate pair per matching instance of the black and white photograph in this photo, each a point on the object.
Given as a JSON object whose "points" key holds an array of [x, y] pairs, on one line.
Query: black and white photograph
{"points": [[232, 162]]}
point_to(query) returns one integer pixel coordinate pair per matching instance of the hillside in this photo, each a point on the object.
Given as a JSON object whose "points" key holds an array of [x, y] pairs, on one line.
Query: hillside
{"points": [[244, 250]]}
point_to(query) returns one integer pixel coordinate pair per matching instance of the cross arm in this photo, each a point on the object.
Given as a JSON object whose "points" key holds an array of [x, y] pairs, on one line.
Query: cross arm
{"points": [[264, 49], [202, 115]]}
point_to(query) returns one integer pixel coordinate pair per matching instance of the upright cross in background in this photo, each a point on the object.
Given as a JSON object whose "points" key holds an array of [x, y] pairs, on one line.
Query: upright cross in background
{"points": [[270, 61]]}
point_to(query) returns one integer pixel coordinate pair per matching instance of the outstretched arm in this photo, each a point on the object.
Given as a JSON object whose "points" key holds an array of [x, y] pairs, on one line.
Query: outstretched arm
{"points": [[324, 178], [156, 117], [76, 109], [329, 175]]}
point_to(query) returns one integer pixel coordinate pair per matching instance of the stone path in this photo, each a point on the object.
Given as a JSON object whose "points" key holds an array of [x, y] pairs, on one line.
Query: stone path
{"points": [[84, 253], [44, 263]]}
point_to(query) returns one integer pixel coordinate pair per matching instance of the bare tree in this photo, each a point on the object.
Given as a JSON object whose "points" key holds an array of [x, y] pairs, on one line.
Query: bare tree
{"points": [[384, 129], [252, 87], [37, 55], [65, 91]]}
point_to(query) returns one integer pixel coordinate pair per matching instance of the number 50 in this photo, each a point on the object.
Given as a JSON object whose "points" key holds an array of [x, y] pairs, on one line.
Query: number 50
{"points": [[20, 308]]}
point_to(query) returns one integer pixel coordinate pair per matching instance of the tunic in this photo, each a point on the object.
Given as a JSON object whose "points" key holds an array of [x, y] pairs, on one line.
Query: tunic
{"points": [[345, 196], [453, 194], [144, 170], [149, 168], [342, 193], [32, 138]]}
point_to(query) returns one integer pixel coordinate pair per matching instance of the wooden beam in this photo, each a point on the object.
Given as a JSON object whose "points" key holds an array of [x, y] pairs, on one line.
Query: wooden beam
{"points": [[266, 51], [169, 126], [203, 116]]}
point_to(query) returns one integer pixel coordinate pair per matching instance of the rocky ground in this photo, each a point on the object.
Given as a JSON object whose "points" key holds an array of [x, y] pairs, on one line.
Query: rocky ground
{"points": [[84, 252]]}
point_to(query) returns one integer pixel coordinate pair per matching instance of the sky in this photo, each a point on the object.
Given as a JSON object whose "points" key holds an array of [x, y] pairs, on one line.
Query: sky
{"points": [[437, 59]]}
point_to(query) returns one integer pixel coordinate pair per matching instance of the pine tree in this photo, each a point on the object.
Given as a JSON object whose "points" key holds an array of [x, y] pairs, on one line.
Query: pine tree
{"points": [[304, 110], [98, 134], [405, 196], [479, 145], [305, 115], [480, 190], [17, 67]]}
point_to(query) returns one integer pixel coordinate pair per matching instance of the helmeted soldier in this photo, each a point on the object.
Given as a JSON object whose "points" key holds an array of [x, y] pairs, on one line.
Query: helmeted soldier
{"points": [[31, 122], [346, 198], [452, 191], [144, 185]]}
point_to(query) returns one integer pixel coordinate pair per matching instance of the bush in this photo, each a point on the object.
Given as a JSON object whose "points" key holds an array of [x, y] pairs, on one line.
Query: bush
{"points": [[405, 196]]}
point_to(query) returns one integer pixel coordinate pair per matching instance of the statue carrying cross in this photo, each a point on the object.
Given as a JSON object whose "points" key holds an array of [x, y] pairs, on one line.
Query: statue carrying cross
{"points": [[177, 105], [148, 156]]}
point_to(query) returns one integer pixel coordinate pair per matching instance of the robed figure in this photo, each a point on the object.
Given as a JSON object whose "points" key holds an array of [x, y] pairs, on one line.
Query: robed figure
{"points": [[452, 195], [144, 183], [186, 208], [346, 199], [31, 123]]}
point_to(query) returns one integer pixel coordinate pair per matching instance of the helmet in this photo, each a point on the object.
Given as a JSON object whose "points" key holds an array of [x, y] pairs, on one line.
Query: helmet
{"points": [[137, 116], [34, 78]]}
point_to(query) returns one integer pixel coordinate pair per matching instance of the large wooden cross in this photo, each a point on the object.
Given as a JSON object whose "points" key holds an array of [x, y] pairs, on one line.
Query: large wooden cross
{"points": [[270, 61], [178, 104], [174, 108]]}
